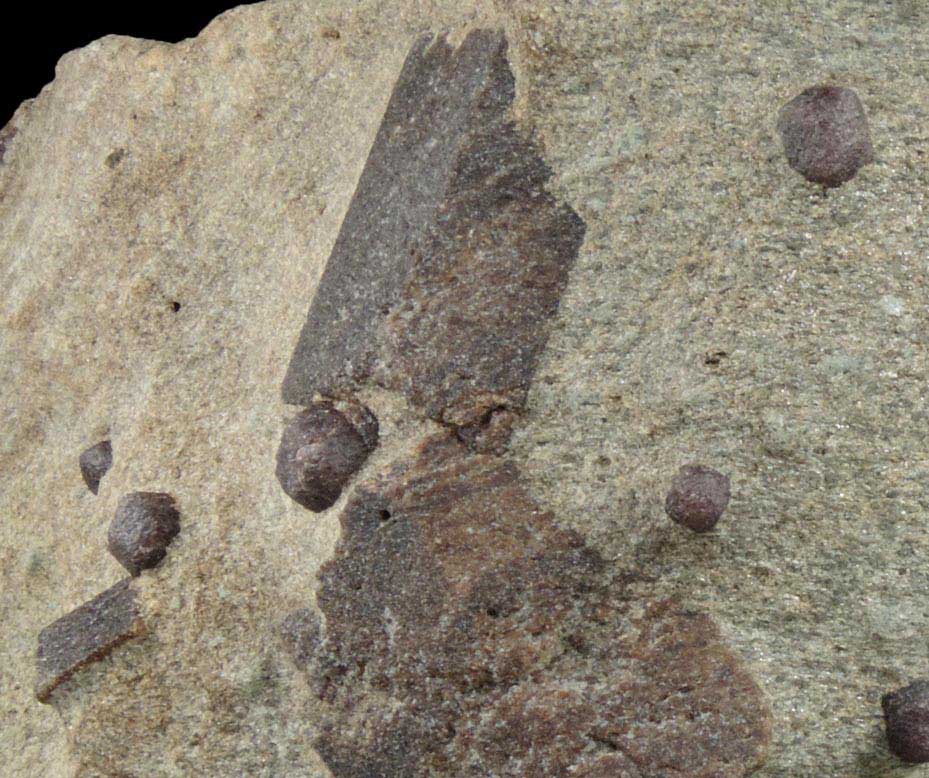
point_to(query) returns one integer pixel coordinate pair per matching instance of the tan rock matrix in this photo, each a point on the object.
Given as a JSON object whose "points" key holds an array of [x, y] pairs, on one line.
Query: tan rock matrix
{"points": [[614, 272]]}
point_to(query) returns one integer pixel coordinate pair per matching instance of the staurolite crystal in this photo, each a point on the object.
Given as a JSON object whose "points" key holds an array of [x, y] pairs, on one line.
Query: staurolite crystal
{"points": [[452, 255], [825, 134], [95, 462], [466, 634], [145, 524], [321, 449], [87, 634]]}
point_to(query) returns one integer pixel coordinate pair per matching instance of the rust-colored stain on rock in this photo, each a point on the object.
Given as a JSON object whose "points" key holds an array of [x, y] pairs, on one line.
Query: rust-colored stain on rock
{"points": [[466, 634], [87, 634]]}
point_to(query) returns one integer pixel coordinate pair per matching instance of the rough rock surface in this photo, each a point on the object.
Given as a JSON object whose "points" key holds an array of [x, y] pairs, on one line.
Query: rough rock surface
{"points": [[166, 213]]}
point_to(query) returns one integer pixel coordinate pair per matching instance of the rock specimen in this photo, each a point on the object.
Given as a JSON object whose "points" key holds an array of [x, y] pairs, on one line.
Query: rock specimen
{"points": [[142, 529], [452, 255], [693, 245], [698, 497], [465, 634], [321, 449], [825, 134], [95, 462], [86, 635], [906, 718]]}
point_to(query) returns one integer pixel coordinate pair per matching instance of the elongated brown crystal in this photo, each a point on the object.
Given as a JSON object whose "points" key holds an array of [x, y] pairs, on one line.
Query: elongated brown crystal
{"points": [[452, 256], [86, 635]]}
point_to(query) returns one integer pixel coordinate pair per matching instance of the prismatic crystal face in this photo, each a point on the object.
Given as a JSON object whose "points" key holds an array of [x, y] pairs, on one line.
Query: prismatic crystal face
{"points": [[86, 635], [466, 634], [452, 256]]}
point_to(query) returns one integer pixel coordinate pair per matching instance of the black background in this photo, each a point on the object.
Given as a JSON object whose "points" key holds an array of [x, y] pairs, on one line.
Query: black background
{"points": [[41, 33]]}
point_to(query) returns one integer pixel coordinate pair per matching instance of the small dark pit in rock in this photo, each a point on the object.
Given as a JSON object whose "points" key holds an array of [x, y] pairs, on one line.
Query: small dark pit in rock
{"points": [[95, 462], [143, 528], [825, 134], [906, 719], [321, 449], [698, 497]]}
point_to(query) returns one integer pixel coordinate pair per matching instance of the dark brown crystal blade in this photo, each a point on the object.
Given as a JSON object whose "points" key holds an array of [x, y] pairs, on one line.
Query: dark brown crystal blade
{"points": [[86, 635], [466, 634], [452, 254]]}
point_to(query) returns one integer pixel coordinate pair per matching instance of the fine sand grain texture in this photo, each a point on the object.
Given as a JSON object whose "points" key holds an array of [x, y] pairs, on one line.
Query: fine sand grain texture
{"points": [[167, 211]]}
